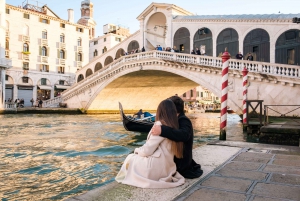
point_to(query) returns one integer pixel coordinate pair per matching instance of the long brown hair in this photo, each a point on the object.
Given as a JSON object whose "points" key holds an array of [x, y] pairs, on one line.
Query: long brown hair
{"points": [[167, 114]]}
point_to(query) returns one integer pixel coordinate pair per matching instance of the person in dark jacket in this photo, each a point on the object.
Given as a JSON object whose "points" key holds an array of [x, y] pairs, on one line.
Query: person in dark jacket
{"points": [[250, 57], [186, 166], [198, 51]]}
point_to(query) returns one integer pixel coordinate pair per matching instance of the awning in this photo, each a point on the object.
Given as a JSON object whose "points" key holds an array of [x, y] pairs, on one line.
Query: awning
{"points": [[62, 86], [155, 43], [45, 87]]}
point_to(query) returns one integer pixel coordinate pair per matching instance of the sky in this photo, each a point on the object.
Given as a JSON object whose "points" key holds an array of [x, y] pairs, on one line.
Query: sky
{"points": [[125, 12]]}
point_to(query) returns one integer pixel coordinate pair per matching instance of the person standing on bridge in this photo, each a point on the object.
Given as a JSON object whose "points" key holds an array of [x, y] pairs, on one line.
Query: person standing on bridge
{"points": [[186, 166], [152, 165]]}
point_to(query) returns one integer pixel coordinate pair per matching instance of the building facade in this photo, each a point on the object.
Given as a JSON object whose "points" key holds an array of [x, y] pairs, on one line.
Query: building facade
{"points": [[46, 51]]}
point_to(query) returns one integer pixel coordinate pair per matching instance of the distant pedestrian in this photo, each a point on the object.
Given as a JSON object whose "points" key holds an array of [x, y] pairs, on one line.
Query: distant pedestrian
{"points": [[143, 49], [198, 51], [239, 56], [193, 52], [32, 101], [40, 103], [250, 57], [159, 48]]}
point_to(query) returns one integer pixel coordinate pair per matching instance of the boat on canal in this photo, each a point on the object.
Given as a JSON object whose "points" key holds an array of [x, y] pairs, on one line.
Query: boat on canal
{"points": [[137, 124]]}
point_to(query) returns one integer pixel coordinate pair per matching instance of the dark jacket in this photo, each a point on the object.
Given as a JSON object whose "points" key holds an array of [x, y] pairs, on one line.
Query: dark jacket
{"points": [[186, 166], [198, 52]]}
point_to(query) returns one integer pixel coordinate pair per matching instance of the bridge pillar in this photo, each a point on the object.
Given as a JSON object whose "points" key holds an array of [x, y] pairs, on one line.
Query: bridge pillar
{"points": [[245, 82]]}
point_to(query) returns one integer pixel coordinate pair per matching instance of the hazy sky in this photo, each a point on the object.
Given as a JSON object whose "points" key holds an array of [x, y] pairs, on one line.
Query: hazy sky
{"points": [[124, 12]]}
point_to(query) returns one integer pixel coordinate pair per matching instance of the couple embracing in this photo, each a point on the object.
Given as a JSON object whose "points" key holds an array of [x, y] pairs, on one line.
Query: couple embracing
{"points": [[165, 160]]}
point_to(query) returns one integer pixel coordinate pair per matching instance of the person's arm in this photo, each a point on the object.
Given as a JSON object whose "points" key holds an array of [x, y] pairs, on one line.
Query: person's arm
{"points": [[150, 146], [182, 134]]}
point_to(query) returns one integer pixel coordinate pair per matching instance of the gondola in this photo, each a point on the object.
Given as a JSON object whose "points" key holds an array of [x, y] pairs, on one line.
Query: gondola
{"points": [[133, 124]]}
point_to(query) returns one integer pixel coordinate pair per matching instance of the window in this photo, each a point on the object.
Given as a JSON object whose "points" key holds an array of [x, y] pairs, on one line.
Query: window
{"points": [[7, 11], [79, 57], [44, 35], [25, 66], [62, 54], [62, 25], [25, 47], [25, 79], [104, 39], [95, 53], [95, 42], [104, 49], [43, 81], [79, 42], [201, 94], [192, 93], [62, 38], [44, 51], [6, 77], [184, 95], [62, 71], [44, 68], [118, 39], [6, 44], [45, 21], [61, 82], [26, 15], [79, 29]]}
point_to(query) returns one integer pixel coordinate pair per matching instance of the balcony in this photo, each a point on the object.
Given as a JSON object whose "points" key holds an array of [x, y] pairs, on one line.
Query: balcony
{"points": [[44, 42], [62, 45], [44, 59], [79, 64], [61, 62], [25, 38], [7, 34], [25, 56], [6, 53]]}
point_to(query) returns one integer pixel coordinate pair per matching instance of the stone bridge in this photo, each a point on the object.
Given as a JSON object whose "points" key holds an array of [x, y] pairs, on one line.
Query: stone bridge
{"points": [[142, 80]]}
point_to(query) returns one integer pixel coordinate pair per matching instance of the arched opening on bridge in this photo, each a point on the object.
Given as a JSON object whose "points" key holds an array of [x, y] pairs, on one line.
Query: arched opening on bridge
{"points": [[203, 41], [98, 66], [108, 60], [156, 31], [133, 45], [88, 72], [228, 38], [182, 40], [120, 53], [80, 77], [257, 42], [287, 49]]}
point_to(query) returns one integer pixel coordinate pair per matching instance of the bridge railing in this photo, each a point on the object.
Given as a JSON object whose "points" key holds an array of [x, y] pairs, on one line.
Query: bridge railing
{"points": [[53, 101], [281, 70]]}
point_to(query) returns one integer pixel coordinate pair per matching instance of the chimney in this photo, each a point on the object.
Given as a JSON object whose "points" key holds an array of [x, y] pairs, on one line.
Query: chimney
{"points": [[71, 15]]}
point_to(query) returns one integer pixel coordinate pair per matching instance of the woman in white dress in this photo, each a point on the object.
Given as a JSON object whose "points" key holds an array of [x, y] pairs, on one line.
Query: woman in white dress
{"points": [[152, 165]]}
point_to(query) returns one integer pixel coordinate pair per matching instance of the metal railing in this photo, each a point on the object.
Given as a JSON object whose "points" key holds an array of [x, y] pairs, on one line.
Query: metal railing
{"points": [[281, 114]]}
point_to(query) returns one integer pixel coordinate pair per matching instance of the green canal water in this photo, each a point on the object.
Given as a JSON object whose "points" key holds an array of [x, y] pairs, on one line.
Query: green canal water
{"points": [[53, 157]]}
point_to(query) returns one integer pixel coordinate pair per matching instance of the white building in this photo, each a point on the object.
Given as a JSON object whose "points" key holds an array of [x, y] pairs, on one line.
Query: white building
{"points": [[46, 51], [113, 35]]}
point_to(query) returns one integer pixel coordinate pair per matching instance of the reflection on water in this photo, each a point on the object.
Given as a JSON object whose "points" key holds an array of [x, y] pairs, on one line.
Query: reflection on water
{"points": [[52, 157]]}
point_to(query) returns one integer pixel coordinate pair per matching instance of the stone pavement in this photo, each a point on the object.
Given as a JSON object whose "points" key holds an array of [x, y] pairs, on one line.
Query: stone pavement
{"points": [[260, 173], [235, 171]]}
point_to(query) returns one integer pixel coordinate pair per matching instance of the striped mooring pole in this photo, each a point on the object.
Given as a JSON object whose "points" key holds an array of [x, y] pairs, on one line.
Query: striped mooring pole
{"points": [[225, 68], [245, 86]]}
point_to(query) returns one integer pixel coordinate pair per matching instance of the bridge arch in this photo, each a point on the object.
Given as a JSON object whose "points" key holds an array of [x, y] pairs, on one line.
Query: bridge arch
{"points": [[287, 48], [88, 72], [228, 38], [98, 66], [203, 40], [257, 42], [80, 77], [133, 45], [182, 40], [120, 53], [108, 60]]}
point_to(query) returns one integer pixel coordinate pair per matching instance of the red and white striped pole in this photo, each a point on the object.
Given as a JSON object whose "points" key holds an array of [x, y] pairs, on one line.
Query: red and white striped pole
{"points": [[245, 86], [225, 68]]}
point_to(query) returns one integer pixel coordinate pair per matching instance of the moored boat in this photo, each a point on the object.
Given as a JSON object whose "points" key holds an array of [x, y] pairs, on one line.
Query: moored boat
{"points": [[133, 124]]}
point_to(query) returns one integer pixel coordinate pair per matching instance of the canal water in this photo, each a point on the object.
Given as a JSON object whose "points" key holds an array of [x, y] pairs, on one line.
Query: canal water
{"points": [[53, 157]]}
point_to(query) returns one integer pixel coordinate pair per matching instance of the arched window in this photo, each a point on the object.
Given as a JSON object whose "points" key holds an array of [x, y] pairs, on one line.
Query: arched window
{"points": [[80, 77], [98, 66], [88, 72], [62, 38], [104, 49], [44, 51], [44, 34], [7, 44], [95, 53], [79, 42], [25, 47], [79, 57], [62, 54], [182, 40]]}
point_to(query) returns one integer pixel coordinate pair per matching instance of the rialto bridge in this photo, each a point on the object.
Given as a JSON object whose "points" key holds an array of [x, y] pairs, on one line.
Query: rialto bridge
{"points": [[142, 80]]}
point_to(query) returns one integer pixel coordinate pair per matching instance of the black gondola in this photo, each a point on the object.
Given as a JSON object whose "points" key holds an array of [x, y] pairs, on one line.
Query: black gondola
{"points": [[132, 124]]}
